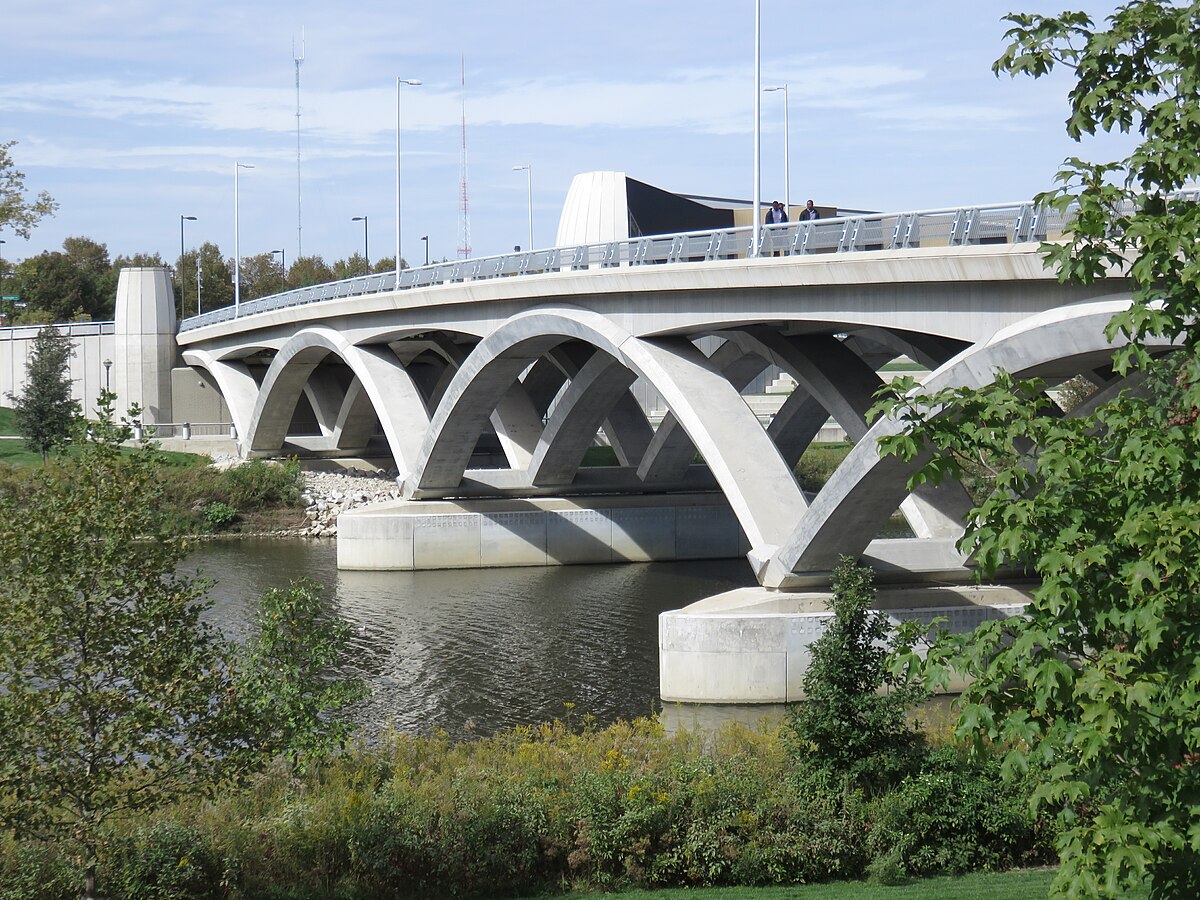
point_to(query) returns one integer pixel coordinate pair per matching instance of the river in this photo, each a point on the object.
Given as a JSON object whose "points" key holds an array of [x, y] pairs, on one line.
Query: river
{"points": [[472, 651]]}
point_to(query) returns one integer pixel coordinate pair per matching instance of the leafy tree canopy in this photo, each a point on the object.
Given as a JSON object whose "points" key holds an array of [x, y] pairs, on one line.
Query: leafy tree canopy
{"points": [[18, 211], [116, 697], [1097, 686]]}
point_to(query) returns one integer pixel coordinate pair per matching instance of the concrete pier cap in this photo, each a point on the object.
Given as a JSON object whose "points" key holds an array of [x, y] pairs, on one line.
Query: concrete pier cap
{"points": [[752, 645]]}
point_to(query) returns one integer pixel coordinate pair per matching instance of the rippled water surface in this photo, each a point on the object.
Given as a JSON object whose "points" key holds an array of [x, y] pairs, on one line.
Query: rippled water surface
{"points": [[482, 649]]}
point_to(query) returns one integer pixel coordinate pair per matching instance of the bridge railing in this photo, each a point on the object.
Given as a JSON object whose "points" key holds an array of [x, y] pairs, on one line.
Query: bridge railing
{"points": [[960, 226]]}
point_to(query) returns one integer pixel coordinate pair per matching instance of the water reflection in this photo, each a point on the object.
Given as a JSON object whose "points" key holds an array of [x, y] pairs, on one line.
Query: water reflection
{"points": [[481, 649]]}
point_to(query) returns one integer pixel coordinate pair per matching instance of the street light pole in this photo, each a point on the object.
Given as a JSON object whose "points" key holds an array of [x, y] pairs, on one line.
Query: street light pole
{"points": [[426, 240], [787, 159], [528, 170], [400, 82], [237, 250], [282, 260], [366, 244], [757, 230], [183, 219]]}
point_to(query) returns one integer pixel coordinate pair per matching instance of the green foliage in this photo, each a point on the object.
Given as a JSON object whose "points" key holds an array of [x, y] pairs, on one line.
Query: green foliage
{"points": [[284, 685], [259, 483], [854, 720], [818, 463], [535, 809], [165, 861], [18, 212], [45, 413], [116, 698], [219, 515], [109, 675], [1097, 686], [956, 816]]}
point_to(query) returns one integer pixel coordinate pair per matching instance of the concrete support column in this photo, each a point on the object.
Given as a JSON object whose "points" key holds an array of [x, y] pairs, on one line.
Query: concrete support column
{"points": [[145, 343]]}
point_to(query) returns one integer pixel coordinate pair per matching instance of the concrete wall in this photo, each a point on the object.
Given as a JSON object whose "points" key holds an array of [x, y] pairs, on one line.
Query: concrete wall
{"points": [[94, 342]]}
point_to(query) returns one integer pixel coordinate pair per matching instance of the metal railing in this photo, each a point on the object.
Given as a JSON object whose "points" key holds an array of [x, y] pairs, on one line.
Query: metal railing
{"points": [[998, 223], [184, 430]]}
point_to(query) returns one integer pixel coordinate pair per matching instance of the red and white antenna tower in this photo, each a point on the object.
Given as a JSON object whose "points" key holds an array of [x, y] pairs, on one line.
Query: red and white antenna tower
{"points": [[464, 206]]}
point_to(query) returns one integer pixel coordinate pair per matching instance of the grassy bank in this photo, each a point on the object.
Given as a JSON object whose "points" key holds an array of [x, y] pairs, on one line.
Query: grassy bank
{"points": [[548, 810], [194, 497]]}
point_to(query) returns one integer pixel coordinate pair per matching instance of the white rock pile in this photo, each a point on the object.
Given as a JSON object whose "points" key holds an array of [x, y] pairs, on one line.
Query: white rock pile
{"points": [[329, 494]]}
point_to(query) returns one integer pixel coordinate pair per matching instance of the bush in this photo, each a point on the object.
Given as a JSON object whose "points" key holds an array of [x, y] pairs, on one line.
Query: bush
{"points": [[847, 724], [218, 515], [257, 483], [165, 861], [30, 871], [956, 815]]}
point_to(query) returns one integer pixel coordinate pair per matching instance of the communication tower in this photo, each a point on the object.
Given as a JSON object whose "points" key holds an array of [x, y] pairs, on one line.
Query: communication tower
{"points": [[464, 206], [299, 217]]}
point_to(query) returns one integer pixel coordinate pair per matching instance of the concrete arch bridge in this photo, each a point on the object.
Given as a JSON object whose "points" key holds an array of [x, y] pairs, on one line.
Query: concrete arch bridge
{"points": [[489, 379]]}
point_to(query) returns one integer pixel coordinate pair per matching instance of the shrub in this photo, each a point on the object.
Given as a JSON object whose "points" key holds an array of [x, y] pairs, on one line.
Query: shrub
{"points": [[954, 816], [165, 861], [218, 515], [259, 483], [32, 871], [847, 724]]}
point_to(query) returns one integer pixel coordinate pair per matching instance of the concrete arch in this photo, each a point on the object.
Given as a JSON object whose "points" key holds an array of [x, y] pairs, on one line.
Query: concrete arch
{"points": [[235, 383], [393, 395], [866, 488], [671, 450], [594, 390], [744, 462]]}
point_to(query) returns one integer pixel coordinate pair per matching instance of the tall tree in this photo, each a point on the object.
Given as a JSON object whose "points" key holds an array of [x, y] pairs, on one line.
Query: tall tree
{"points": [[352, 266], [53, 284], [216, 280], [116, 697], [262, 276], [45, 413], [19, 212], [308, 270], [1097, 685]]}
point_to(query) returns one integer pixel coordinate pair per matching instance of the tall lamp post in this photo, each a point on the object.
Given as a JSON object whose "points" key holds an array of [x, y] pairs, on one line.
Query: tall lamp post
{"points": [[400, 82], [426, 240], [528, 170], [787, 168], [237, 249], [366, 244], [3, 271], [757, 230], [183, 219], [282, 260]]}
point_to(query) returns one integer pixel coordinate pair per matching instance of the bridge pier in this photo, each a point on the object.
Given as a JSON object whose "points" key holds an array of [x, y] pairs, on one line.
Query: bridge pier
{"points": [[410, 535], [751, 645]]}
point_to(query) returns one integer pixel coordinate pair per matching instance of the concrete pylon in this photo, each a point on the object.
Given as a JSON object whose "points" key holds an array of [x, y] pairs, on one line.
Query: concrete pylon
{"points": [[145, 343]]}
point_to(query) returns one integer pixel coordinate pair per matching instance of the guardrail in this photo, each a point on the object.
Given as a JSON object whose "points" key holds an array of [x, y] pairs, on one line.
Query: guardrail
{"points": [[184, 430], [959, 226]]}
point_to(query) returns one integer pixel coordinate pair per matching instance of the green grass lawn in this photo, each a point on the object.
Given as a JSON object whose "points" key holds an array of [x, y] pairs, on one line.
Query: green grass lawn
{"points": [[14, 453], [1022, 885]]}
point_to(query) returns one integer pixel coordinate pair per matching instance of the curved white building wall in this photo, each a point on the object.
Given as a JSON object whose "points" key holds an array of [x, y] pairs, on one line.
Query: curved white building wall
{"points": [[596, 210]]}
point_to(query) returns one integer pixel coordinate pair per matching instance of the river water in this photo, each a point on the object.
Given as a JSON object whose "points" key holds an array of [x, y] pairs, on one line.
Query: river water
{"points": [[473, 651]]}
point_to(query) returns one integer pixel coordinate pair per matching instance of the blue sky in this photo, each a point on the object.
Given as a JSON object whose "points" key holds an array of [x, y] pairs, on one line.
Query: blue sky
{"points": [[133, 112]]}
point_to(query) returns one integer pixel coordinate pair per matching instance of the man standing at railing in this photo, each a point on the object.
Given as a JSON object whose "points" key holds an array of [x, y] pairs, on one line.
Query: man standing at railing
{"points": [[809, 213], [776, 215]]}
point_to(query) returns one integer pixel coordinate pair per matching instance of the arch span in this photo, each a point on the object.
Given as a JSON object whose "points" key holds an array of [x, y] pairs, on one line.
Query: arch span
{"points": [[866, 488], [392, 393], [758, 484]]}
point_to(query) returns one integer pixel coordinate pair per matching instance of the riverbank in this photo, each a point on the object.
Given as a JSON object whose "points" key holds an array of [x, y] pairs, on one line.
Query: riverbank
{"points": [[550, 809]]}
